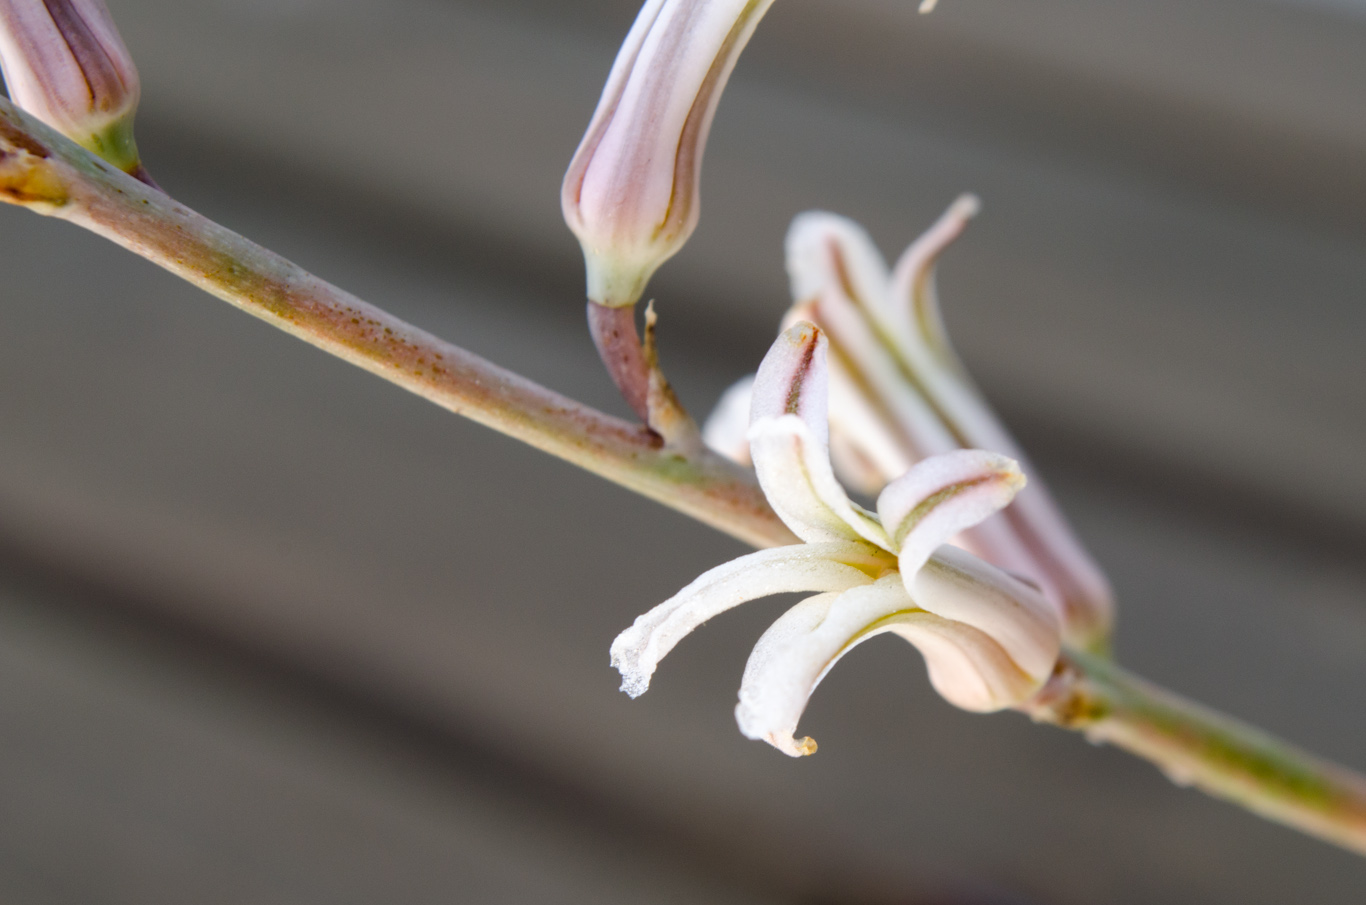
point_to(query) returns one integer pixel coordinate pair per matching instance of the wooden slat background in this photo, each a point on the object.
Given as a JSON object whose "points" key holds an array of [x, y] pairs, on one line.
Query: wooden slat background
{"points": [[272, 631]]}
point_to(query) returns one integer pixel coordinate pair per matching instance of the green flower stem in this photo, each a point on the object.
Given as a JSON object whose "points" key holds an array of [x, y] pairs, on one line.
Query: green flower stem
{"points": [[1196, 746], [45, 172]]}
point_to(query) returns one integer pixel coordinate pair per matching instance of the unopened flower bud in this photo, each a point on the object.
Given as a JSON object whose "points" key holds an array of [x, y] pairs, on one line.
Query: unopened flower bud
{"points": [[631, 193], [64, 62]]}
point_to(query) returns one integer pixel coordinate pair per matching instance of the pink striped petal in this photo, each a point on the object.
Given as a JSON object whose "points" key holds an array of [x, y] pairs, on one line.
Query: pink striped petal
{"points": [[789, 443], [827, 252], [914, 296], [941, 496]]}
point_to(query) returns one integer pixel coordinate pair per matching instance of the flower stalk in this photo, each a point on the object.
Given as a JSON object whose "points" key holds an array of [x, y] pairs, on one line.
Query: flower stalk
{"points": [[1195, 746], [618, 344], [48, 174]]}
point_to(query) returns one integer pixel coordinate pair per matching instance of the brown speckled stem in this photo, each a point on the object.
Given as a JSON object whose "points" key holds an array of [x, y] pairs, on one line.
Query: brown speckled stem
{"points": [[51, 175], [614, 333], [45, 172]]}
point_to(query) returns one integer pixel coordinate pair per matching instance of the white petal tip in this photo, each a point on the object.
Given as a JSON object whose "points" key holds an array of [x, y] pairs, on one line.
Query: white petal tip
{"points": [[927, 6], [634, 686], [798, 747], [635, 675], [783, 741], [751, 727], [635, 681], [965, 207]]}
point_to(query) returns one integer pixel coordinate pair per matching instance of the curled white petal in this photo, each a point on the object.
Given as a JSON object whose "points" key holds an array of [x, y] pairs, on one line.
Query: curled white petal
{"points": [[827, 252], [806, 567], [914, 295], [966, 666], [790, 445], [941, 496], [889, 348], [960, 587], [799, 482], [727, 426]]}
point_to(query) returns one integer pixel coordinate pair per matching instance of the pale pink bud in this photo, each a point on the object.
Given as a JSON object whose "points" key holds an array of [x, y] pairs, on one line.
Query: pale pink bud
{"points": [[631, 193], [64, 62]]}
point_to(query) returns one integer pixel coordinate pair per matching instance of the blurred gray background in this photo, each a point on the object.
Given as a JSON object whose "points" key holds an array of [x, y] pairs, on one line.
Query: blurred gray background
{"points": [[272, 631]]}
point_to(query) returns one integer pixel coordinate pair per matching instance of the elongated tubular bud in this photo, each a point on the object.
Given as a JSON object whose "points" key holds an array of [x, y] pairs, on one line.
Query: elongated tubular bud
{"points": [[631, 192], [64, 62]]}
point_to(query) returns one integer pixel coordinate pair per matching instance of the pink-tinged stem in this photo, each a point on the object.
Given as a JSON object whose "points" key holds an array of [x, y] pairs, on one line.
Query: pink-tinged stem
{"points": [[614, 333], [141, 175], [47, 173], [41, 170]]}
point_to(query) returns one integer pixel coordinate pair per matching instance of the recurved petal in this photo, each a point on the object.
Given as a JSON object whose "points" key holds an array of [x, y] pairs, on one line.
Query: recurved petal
{"points": [[805, 567], [793, 379], [865, 447], [960, 587], [789, 442], [941, 496], [796, 652], [913, 296], [966, 666], [830, 253]]}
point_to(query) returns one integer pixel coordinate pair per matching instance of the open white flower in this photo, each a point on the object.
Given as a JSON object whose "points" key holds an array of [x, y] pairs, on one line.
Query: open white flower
{"points": [[898, 394], [989, 640]]}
